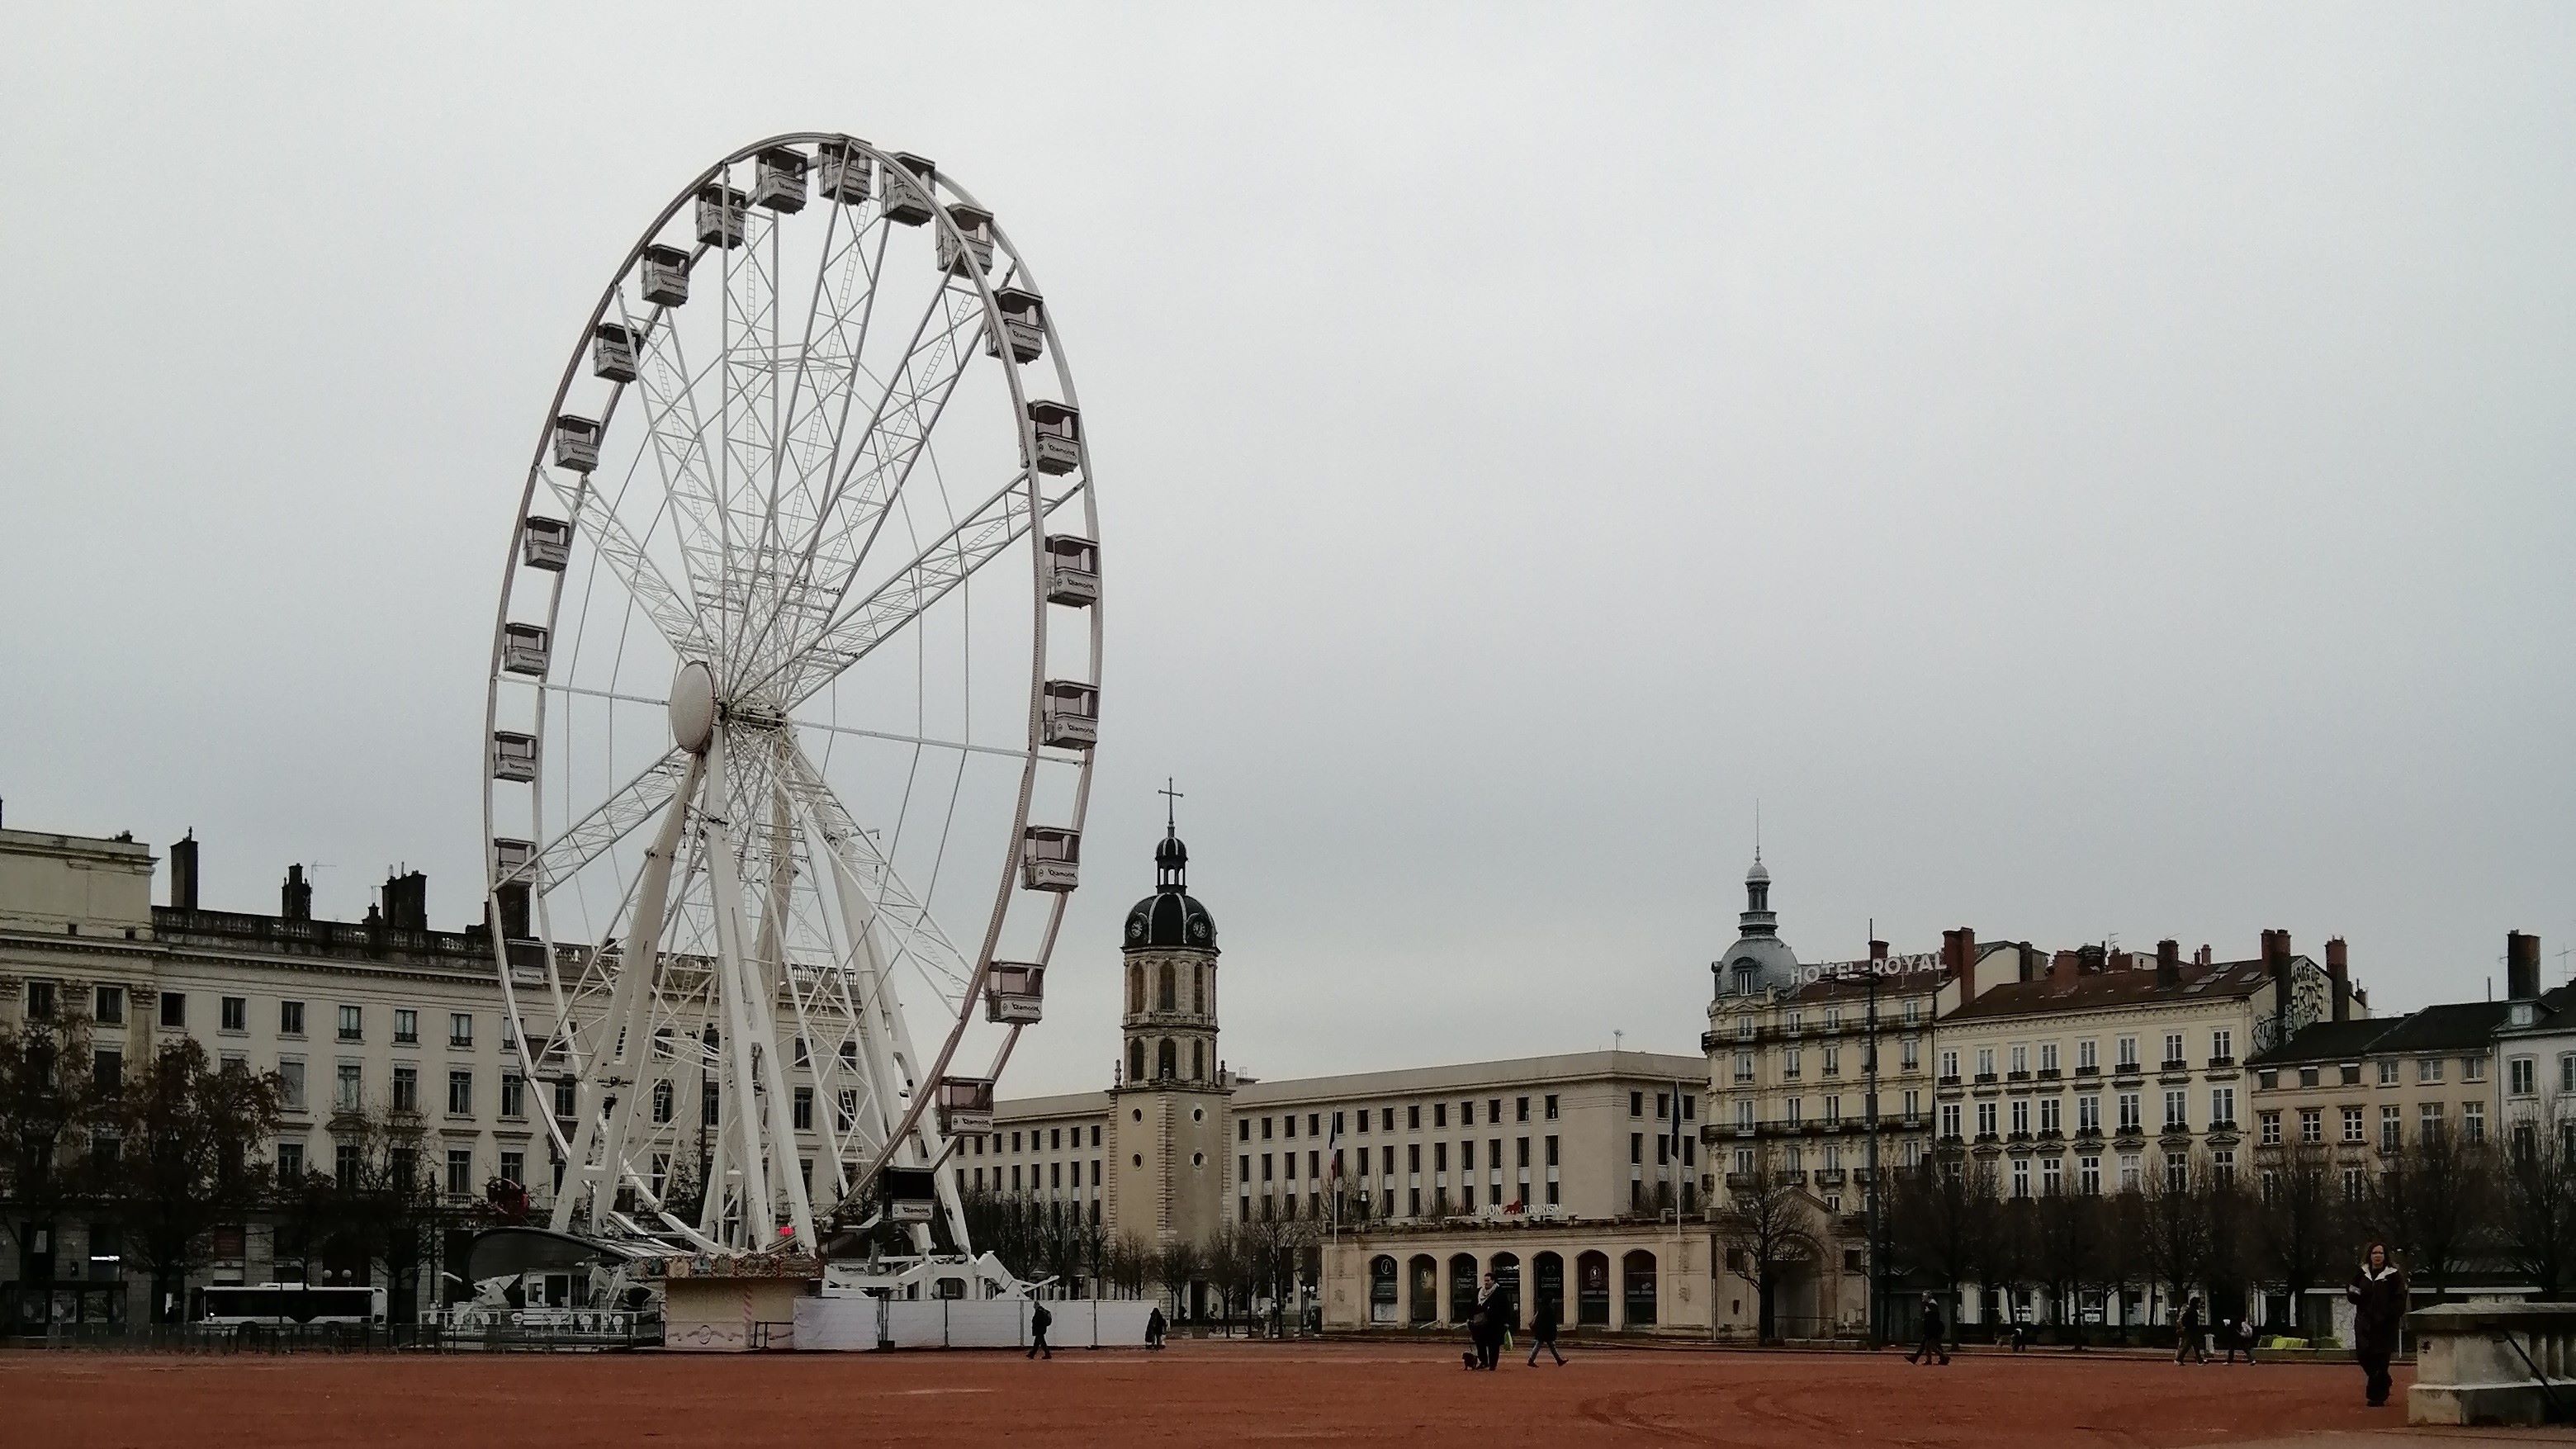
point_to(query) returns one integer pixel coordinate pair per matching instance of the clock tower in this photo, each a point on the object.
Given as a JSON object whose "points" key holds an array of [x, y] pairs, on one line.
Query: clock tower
{"points": [[1168, 1108]]}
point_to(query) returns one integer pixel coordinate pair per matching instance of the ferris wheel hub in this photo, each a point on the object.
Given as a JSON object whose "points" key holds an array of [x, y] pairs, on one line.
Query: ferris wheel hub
{"points": [[693, 707]]}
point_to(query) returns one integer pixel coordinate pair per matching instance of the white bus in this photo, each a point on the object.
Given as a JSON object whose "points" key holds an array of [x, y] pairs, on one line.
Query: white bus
{"points": [[275, 1305]]}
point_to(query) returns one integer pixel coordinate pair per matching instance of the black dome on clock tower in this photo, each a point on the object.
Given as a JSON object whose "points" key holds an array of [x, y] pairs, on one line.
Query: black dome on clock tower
{"points": [[1170, 917]]}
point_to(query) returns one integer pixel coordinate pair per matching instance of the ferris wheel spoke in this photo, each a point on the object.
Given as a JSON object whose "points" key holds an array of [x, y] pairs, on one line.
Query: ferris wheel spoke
{"points": [[989, 531], [1009, 752], [898, 911], [675, 433], [608, 822], [625, 557], [860, 499]]}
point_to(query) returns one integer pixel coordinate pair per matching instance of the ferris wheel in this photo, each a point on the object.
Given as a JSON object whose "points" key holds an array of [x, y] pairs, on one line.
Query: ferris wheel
{"points": [[793, 691]]}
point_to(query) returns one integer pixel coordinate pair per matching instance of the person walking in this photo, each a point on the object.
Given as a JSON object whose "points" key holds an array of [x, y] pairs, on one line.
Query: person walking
{"points": [[2239, 1333], [1155, 1327], [2187, 1343], [1039, 1318], [2378, 1296], [1930, 1348], [1543, 1332]]}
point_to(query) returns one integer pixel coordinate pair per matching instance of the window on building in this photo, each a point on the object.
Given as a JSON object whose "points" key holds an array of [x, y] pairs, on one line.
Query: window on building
{"points": [[801, 1109], [2085, 1058], [1985, 1119], [2021, 1177], [291, 1084], [2352, 1125], [2222, 1106], [2088, 1174], [406, 1089], [2312, 1124], [2176, 1114], [2173, 1050], [2428, 1069], [1949, 1119], [290, 1018], [1636, 1104], [2520, 1075], [107, 1071], [406, 1026], [40, 1001], [2473, 1122], [514, 1095], [2048, 1120], [460, 1094], [2128, 1053], [174, 1009], [2270, 1123], [2021, 1118], [2222, 1045], [1550, 1104], [1950, 1065], [2132, 1119], [348, 1093], [460, 1028], [2051, 1177], [2388, 1071], [2020, 1060], [352, 1024], [2222, 1166], [2428, 1127], [1985, 1064], [2473, 1069], [232, 1013], [460, 1171], [2392, 1129], [2088, 1112], [1412, 1121]]}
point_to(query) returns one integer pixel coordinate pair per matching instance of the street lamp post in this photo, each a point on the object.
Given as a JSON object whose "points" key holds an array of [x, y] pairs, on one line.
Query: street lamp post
{"points": [[1877, 1188]]}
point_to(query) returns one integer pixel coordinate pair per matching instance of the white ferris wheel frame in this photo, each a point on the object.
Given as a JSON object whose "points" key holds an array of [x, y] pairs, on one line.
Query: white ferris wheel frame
{"points": [[594, 1167]]}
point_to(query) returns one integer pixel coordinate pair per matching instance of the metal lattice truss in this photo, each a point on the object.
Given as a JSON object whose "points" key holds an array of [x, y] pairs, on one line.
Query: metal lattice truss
{"points": [[765, 703]]}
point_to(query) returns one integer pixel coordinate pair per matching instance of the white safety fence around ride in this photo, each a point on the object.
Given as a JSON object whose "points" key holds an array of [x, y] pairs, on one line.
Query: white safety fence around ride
{"points": [[860, 1323]]}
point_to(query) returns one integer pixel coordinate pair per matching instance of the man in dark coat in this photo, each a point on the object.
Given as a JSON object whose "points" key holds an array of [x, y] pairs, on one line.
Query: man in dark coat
{"points": [[2187, 1341], [1039, 1318], [1155, 1326], [1931, 1347], [1543, 1332], [1489, 1325], [2378, 1295]]}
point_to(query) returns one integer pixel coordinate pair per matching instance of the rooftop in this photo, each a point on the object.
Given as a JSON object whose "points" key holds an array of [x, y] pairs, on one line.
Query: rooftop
{"points": [[2103, 990], [2327, 1041]]}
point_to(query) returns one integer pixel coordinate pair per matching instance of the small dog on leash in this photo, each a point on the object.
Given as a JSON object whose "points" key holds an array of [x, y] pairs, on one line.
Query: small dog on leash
{"points": [[1468, 1358]]}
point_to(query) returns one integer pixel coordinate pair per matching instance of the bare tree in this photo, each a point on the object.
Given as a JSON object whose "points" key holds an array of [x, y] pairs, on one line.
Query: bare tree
{"points": [[2536, 1200], [2176, 1229], [1184, 1262], [2432, 1201], [49, 1097], [2069, 1229], [2301, 1238], [2011, 1258], [1768, 1224], [1939, 1214], [188, 1161]]}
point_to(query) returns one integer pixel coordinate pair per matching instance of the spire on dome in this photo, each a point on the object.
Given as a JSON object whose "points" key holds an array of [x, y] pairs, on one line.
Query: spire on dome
{"points": [[1171, 858]]}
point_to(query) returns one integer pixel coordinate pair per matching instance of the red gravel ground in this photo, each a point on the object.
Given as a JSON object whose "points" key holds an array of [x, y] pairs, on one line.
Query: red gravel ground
{"points": [[1401, 1394]]}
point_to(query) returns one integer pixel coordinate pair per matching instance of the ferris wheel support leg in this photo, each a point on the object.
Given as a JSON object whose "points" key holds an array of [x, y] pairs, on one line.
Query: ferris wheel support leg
{"points": [[627, 1013], [726, 883], [826, 1069], [858, 915], [631, 1006], [762, 1001]]}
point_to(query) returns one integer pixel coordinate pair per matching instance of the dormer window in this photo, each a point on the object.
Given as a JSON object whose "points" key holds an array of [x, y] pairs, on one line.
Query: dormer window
{"points": [[1745, 975]]}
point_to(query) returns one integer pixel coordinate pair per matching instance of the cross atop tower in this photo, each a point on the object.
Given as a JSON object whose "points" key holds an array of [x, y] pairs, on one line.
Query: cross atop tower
{"points": [[1171, 803]]}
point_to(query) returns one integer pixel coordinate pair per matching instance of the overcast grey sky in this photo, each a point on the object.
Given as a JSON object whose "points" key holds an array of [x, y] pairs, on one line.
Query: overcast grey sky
{"points": [[2085, 469]]}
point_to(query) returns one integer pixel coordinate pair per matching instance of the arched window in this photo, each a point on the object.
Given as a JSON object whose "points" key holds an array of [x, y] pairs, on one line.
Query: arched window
{"points": [[1198, 1061], [1163, 992], [1136, 1060], [1167, 1059], [1744, 977], [1198, 990], [1637, 1285], [1135, 988]]}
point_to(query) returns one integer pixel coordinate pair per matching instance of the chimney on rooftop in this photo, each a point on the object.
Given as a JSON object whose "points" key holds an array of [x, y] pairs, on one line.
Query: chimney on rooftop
{"points": [[295, 898], [2521, 966], [2339, 972], [2276, 965], [1959, 959], [407, 901], [2168, 965], [2065, 966], [183, 874], [2201, 957], [2029, 955]]}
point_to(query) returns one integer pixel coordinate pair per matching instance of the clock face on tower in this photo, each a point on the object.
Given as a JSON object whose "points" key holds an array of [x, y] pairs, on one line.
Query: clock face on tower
{"points": [[1198, 930], [1135, 930]]}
